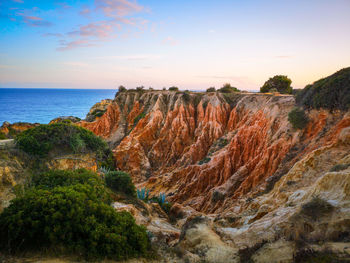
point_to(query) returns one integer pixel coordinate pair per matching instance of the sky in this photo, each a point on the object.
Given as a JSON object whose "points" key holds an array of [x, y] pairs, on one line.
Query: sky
{"points": [[101, 44]]}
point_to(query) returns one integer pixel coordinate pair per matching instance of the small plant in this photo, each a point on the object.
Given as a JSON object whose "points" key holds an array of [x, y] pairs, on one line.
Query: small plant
{"points": [[173, 88], [211, 89], [2, 136], [120, 182], [121, 89], [139, 117], [104, 170], [297, 118], [339, 167], [227, 88], [143, 194], [316, 208], [204, 160]]}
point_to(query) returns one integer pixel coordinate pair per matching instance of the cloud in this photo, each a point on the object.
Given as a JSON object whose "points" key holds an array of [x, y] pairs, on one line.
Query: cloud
{"points": [[18, 1], [170, 41], [118, 8], [131, 57], [85, 11], [52, 35], [99, 30], [34, 21], [74, 44]]}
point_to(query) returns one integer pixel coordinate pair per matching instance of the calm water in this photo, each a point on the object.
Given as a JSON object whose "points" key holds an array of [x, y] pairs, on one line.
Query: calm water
{"points": [[43, 105]]}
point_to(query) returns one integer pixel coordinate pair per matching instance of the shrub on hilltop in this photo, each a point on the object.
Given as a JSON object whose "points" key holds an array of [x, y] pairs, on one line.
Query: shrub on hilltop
{"points": [[173, 88], [227, 88], [211, 89], [279, 83], [331, 93], [67, 210]]}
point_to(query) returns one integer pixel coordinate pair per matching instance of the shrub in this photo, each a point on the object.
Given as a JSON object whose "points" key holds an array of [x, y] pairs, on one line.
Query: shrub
{"points": [[227, 88], [121, 89], [120, 182], [297, 118], [316, 207], [143, 194], [204, 160], [186, 97], [173, 88], [339, 167], [331, 93], [98, 112], [54, 214], [280, 83], [211, 89], [139, 117], [2, 136], [141, 88]]}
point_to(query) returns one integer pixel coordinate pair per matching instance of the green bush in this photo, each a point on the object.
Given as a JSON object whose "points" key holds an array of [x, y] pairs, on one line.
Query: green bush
{"points": [[120, 182], [227, 88], [121, 89], [339, 167], [2, 136], [139, 117], [204, 160], [280, 83], [173, 88], [211, 89], [331, 93], [66, 210], [297, 118]]}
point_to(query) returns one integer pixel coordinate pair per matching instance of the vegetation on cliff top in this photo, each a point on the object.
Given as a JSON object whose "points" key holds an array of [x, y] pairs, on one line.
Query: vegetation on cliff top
{"points": [[43, 139], [278, 83], [69, 211], [120, 182], [331, 93]]}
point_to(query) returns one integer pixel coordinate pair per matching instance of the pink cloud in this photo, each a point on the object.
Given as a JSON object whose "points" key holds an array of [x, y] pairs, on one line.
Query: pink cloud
{"points": [[85, 11], [32, 18], [18, 1], [75, 44], [99, 30], [118, 8], [170, 41]]}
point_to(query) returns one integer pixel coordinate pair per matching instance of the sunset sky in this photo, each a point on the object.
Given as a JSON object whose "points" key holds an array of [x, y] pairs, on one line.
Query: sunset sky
{"points": [[161, 43]]}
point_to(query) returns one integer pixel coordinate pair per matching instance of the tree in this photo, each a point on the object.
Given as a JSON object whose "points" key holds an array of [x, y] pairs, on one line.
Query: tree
{"points": [[280, 83], [173, 88], [211, 89]]}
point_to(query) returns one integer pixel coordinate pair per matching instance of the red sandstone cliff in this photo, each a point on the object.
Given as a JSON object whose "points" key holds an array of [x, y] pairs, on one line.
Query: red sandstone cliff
{"points": [[210, 151]]}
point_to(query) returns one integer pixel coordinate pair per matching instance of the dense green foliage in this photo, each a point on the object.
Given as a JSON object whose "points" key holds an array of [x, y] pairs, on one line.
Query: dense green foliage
{"points": [[2, 136], [279, 83], [204, 160], [120, 182], [173, 88], [67, 210], [227, 88], [98, 112], [297, 118], [44, 138], [121, 89], [211, 89], [331, 93]]}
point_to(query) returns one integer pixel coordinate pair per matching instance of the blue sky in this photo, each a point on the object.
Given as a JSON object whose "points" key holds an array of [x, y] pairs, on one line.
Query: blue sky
{"points": [[190, 44]]}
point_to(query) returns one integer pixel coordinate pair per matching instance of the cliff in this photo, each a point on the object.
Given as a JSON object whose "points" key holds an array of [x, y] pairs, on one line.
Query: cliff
{"points": [[210, 150]]}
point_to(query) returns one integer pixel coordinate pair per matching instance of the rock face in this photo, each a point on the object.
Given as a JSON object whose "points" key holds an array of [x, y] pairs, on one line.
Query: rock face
{"points": [[11, 130], [98, 110], [210, 151]]}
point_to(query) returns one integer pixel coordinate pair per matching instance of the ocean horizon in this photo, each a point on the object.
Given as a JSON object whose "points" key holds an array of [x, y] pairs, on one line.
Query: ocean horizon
{"points": [[38, 105]]}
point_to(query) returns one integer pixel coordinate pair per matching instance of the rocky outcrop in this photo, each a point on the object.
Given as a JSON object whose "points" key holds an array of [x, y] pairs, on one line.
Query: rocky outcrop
{"points": [[211, 150], [65, 119], [98, 110], [11, 130]]}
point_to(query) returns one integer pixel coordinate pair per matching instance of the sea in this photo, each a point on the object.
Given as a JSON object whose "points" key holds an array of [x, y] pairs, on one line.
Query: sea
{"points": [[43, 105]]}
